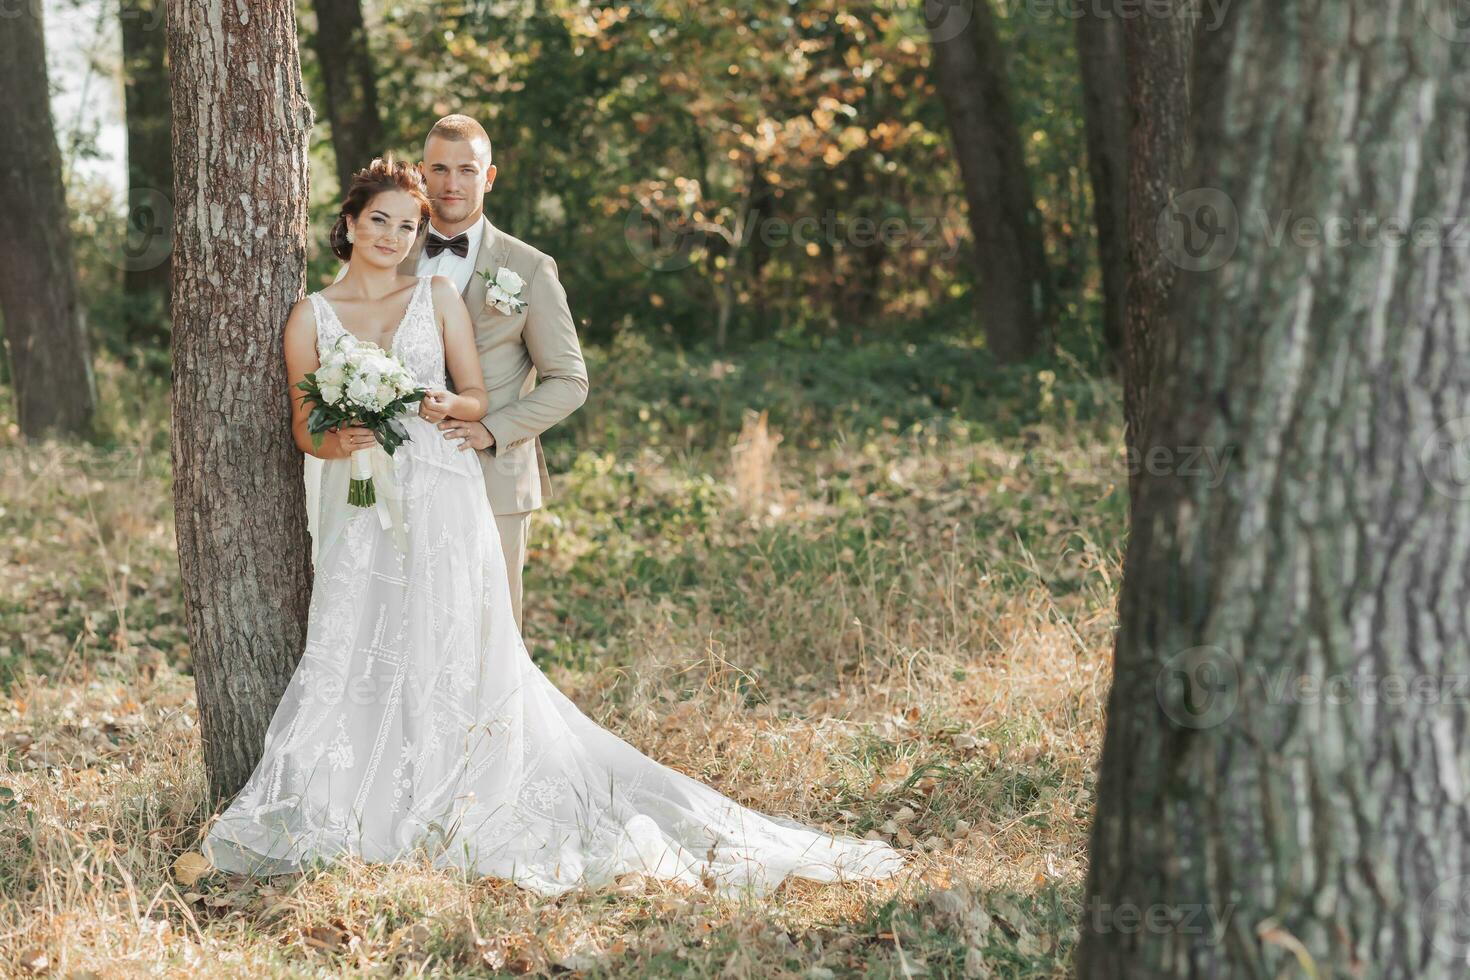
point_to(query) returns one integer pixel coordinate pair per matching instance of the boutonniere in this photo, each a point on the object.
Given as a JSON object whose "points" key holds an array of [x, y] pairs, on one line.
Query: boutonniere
{"points": [[503, 290]]}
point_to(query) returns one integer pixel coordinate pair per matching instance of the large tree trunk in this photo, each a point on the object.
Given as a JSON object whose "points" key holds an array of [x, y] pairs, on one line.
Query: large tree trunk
{"points": [[1106, 119], [241, 123], [351, 86], [1015, 292], [50, 360], [1158, 53], [1284, 774], [146, 268]]}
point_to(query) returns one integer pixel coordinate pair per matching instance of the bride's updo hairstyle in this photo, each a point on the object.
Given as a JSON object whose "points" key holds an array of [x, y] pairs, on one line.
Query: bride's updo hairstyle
{"points": [[383, 174]]}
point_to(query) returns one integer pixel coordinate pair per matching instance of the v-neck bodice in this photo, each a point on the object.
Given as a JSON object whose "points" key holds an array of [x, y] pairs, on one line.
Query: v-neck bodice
{"points": [[416, 342]]}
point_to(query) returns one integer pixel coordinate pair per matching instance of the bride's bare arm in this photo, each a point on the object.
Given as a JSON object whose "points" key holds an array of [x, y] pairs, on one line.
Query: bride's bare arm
{"points": [[301, 360], [470, 402]]}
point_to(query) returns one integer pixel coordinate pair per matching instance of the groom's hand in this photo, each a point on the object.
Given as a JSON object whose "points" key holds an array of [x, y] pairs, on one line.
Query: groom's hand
{"points": [[472, 435]]}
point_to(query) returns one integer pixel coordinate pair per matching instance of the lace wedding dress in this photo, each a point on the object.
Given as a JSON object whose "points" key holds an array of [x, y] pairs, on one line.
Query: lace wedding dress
{"points": [[416, 720]]}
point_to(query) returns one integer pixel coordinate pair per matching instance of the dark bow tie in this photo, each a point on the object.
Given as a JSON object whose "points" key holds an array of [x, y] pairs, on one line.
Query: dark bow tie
{"points": [[459, 244]]}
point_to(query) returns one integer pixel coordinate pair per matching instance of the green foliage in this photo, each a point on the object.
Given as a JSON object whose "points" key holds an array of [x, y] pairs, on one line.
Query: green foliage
{"points": [[820, 391], [702, 174]]}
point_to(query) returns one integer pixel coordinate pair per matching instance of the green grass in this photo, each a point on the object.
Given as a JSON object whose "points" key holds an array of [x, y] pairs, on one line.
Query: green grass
{"points": [[906, 632]]}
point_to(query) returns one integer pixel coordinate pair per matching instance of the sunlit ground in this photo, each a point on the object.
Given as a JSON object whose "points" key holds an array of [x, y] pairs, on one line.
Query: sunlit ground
{"points": [[901, 632]]}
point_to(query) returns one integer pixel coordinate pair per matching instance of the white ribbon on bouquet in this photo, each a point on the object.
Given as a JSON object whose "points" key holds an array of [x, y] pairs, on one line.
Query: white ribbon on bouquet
{"points": [[327, 509], [376, 463]]}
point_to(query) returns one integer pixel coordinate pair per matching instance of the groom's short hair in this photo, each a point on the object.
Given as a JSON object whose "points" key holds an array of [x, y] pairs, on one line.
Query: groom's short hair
{"points": [[459, 127]]}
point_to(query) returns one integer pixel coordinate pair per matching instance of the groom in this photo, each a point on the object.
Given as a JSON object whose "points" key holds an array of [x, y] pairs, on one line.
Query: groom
{"points": [[529, 354]]}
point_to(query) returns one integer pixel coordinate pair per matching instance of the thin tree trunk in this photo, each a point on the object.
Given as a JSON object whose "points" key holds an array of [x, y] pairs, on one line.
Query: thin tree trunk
{"points": [[241, 123], [50, 359], [146, 269], [351, 86], [1283, 778], [1158, 52], [1106, 119], [1015, 293]]}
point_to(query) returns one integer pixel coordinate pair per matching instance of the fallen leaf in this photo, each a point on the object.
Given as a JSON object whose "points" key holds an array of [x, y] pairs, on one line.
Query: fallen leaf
{"points": [[35, 961], [190, 867]]}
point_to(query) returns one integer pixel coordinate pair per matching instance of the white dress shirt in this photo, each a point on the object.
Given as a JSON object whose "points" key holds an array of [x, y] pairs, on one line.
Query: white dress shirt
{"points": [[446, 263]]}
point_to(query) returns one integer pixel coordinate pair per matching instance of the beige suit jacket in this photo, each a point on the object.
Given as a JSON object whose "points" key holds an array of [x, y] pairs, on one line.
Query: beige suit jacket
{"points": [[531, 361]]}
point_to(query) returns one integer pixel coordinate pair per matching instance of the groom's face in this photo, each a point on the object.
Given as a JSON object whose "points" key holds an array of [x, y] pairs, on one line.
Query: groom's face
{"points": [[457, 175]]}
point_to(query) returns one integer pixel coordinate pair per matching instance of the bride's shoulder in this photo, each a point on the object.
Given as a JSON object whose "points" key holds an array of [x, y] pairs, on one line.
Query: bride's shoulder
{"points": [[442, 288], [299, 337], [302, 315], [303, 307]]}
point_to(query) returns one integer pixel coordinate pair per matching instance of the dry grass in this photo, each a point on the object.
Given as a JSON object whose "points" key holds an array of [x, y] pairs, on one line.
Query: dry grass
{"points": [[908, 638]]}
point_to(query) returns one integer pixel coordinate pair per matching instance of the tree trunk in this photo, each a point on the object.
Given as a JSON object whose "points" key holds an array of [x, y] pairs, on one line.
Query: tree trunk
{"points": [[1014, 296], [1158, 56], [1106, 119], [241, 123], [351, 86], [146, 268], [1283, 778], [50, 359]]}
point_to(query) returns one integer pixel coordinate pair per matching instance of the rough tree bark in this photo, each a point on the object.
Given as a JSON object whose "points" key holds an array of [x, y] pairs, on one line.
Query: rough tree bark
{"points": [[1284, 773], [50, 359], [351, 86], [1015, 295], [146, 268], [241, 123], [1158, 52], [1105, 114]]}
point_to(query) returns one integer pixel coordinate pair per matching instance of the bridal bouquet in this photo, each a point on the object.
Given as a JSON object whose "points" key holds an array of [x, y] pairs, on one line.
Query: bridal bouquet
{"points": [[360, 384]]}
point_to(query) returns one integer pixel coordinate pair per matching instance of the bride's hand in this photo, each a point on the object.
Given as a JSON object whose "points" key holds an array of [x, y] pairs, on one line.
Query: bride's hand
{"points": [[354, 437], [436, 404]]}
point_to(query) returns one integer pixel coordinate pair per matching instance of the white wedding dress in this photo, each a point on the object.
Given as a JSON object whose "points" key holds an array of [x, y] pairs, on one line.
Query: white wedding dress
{"points": [[416, 721]]}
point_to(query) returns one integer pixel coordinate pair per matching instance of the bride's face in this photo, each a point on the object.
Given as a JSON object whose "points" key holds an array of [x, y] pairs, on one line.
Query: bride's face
{"points": [[385, 230]]}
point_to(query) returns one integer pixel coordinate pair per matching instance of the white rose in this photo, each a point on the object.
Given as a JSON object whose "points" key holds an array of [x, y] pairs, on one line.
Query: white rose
{"points": [[332, 393], [360, 391], [330, 374], [384, 364], [508, 280], [386, 394]]}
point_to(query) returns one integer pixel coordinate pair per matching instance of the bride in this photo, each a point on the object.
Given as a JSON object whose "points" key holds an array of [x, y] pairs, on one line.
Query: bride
{"points": [[416, 721]]}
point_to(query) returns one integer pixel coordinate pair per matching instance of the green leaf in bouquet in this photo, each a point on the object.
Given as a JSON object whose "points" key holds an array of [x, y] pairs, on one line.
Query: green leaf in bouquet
{"points": [[317, 420]]}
